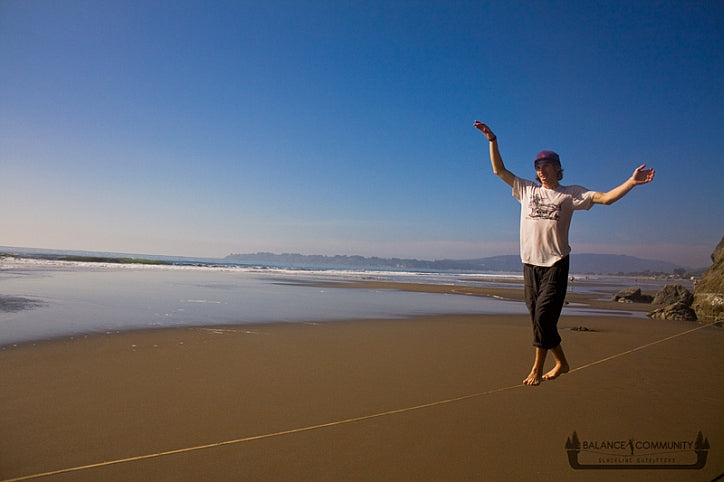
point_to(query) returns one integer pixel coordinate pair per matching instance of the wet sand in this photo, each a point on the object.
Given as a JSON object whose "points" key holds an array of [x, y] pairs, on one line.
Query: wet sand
{"points": [[429, 398]]}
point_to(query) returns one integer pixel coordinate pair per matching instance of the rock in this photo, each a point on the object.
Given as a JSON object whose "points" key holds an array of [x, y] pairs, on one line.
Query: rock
{"points": [[709, 292], [632, 295], [671, 294], [709, 307], [674, 311]]}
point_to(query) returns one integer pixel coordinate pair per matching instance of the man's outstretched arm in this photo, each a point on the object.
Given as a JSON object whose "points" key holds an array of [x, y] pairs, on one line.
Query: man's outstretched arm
{"points": [[639, 176], [495, 159]]}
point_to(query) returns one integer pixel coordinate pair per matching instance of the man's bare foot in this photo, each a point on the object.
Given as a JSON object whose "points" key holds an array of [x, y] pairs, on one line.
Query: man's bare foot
{"points": [[558, 370], [534, 378]]}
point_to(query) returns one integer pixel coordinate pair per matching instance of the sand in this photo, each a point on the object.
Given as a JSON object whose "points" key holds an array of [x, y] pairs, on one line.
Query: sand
{"points": [[427, 399]]}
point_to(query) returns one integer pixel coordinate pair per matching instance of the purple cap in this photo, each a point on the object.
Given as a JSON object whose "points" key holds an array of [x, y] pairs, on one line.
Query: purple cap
{"points": [[547, 156]]}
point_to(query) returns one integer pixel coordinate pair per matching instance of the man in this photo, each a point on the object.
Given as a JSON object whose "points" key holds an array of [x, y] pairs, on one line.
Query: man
{"points": [[546, 212]]}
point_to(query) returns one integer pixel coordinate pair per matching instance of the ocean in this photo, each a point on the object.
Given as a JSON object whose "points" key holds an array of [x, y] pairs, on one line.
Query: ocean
{"points": [[49, 294]]}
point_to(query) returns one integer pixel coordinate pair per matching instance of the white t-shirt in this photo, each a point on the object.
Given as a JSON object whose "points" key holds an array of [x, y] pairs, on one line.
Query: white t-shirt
{"points": [[545, 217]]}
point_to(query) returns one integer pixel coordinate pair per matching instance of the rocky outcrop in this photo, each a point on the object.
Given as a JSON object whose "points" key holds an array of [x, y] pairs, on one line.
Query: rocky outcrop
{"points": [[675, 311], [709, 292], [632, 295], [670, 294], [709, 307], [674, 301], [676, 304]]}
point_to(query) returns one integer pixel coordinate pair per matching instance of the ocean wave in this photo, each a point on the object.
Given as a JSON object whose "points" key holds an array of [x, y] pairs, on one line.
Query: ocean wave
{"points": [[19, 259]]}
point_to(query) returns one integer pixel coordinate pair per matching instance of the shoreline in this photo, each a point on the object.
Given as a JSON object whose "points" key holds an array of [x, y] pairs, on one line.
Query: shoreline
{"points": [[593, 303], [588, 300]]}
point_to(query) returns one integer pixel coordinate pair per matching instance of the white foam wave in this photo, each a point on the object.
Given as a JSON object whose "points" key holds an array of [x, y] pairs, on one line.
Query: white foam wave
{"points": [[10, 263]]}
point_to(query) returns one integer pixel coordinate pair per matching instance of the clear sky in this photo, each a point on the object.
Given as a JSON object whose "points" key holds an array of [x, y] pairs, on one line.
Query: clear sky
{"points": [[201, 128]]}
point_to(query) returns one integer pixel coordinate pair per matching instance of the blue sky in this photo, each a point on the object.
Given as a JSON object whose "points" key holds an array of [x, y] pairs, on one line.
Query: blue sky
{"points": [[331, 127]]}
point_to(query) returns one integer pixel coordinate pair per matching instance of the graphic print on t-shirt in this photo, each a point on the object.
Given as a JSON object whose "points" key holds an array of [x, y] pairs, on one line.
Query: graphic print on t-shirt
{"points": [[539, 209]]}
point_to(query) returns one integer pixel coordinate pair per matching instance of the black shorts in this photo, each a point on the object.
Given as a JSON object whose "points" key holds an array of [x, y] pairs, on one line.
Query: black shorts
{"points": [[545, 293]]}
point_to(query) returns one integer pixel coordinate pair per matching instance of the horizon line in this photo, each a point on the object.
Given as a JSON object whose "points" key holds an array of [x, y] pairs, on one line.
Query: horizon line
{"points": [[117, 253]]}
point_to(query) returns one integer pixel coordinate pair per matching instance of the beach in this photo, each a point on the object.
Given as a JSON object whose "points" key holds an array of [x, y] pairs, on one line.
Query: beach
{"points": [[417, 398]]}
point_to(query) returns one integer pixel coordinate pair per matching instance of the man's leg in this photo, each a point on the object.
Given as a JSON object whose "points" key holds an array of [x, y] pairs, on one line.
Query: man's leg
{"points": [[555, 288], [531, 283], [536, 374], [561, 364]]}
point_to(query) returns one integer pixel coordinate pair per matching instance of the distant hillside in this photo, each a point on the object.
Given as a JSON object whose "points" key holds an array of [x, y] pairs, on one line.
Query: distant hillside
{"points": [[580, 263], [618, 263]]}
